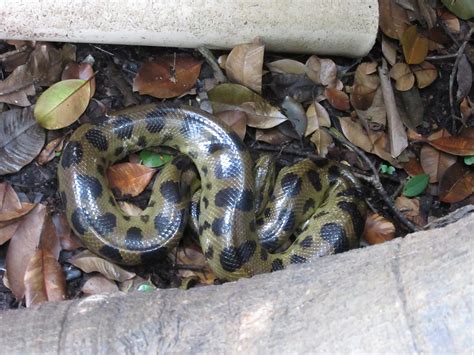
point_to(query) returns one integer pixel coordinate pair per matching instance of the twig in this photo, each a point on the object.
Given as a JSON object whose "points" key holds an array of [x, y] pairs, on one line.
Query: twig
{"points": [[441, 57], [211, 60], [374, 179], [451, 80]]}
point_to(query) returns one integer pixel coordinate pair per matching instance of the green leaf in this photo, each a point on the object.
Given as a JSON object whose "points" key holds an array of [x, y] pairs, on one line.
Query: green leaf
{"points": [[469, 160], [387, 169], [62, 103], [146, 288], [416, 185], [154, 160], [461, 8]]}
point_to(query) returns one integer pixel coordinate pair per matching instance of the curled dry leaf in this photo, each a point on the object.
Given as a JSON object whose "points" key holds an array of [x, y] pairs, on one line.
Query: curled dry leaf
{"points": [[322, 140], [378, 229], [21, 139], [244, 65], [129, 178], [461, 146], [338, 99], [425, 74], [50, 150], [317, 117], [389, 51], [263, 116], [322, 71], [403, 76], [410, 207], [456, 184], [62, 103], [286, 66], [11, 216], [99, 285], [415, 46], [167, 76], [44, 279], [237, 120], [393, 19], [22, 247], [88, 262]]}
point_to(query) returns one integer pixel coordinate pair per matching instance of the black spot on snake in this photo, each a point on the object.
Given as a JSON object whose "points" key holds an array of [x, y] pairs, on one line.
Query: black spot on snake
{"points": [[309, 204], [78, 221], [206, 225], [209, 186], [103, 224], [335, 235], [209, 252], [320, 214], [161, 222], [352, 192], [112, 201], [205, 201], [291, 184], [320, 162], [307, 242], [111, 253], [333, 174], [237, 141], [97, 139], [154, 122], [170, 191], [232, 258], [297, 259], [127, 218], [215, 147], [152, 203], [219, 227], [63, 197], [314, 179], [101, 169], [123, 127], [133, 239], [204, 170], [191, 128], [89, 186], [263, 254], [142, 141], [72, 154], [118, 151], [356, 217], [145, 218], [260, 221], [288, 219], [232, 197], [277, 264], [153, 256], [267, 212]]}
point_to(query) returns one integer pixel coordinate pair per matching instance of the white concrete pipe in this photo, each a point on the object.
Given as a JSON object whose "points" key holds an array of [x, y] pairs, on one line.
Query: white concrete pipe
{"points": [[337, 27]]}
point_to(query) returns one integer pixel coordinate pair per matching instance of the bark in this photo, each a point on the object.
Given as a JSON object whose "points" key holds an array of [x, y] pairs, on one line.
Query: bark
{"points": [[411, 295]]}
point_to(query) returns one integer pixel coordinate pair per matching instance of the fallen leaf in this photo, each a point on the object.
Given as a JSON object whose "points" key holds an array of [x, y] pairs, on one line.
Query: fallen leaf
{"points": [[464, 78], [415, 46], [237, 120], [461, 146], [88, 262], [286, 66], [393, 19], [271, 136], [403, 76], [389, 51], [11, 216], [190, 254], [99, 285], [338, 99], [67, 239], [413, 167], [378, 229], [317, 117], [416, 185], [244, 65], [467, 108], [296, 115], [461, 8], [129, 178], [410, 107], [16, 88], [50, 150], [322, 140], [262, 115], [322, 71], [62, 103], [44, 279], [153, 159], [22, 247], [9, 201], [435, 162], [425, 74], [410, 208], [167, 76], [21, 139], [83, 71], [13, 59], [376, 114], [456, 184]]}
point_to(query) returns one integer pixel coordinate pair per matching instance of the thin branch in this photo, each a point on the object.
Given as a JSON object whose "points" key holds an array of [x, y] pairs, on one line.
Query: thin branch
{"points": [[211, 60]]}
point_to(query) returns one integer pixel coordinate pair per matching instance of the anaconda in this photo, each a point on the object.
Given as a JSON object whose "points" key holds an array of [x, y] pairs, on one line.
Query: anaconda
{"points": [[317, 200]]}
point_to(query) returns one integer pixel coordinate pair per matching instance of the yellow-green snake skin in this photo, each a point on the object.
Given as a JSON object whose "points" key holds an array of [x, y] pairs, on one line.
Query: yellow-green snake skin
{"points": [[317, 201]]}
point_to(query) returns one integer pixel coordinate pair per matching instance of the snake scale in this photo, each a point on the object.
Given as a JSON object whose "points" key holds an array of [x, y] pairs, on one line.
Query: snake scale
{"points": [[242, 219]]}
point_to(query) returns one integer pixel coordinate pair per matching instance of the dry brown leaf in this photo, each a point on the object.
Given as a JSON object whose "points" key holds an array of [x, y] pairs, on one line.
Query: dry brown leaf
{"points": [[372, 142], [449, 19], [461, 146], [84, 71], [425, 74], [376, 114], [12, 216], [67, 239], [322, 71], [44, 279], [410, 207], [237, 120], [129, 179], [338, 99], [286, 66], [456, 184], [22, 247], [271, 136], [435, 163], [262, 115], [190, 254], [244, 65], [403, 76], [415, 46], [467, 108], [393, 19], [167, 76], [322, 140], [88, 262], [378, 229], [389, 51], [9, 201], [50, 150], [413, 167], [99, 285], [317, 117]]}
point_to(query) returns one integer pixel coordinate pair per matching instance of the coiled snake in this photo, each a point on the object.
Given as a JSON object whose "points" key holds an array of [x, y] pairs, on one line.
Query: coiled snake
{"points": [[318, 201]]}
